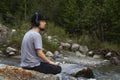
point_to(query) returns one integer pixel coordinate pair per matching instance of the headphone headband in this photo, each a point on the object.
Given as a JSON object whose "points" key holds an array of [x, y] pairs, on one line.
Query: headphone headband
{"points": [[36, 20]]}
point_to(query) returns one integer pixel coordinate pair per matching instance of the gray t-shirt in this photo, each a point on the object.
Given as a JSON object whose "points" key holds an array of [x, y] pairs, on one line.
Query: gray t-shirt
{"points": [[32, 40]]}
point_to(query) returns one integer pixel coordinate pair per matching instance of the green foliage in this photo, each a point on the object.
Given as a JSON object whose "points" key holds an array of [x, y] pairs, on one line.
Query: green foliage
{"points": [[16, 38], [68, 16], [99, 19], [57, 33], [53, 30], [49, 46], [110, 46], [90, 41]]}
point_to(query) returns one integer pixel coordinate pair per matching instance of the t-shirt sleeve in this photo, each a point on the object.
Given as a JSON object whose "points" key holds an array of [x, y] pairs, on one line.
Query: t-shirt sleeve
{"points": [[37, 40]]}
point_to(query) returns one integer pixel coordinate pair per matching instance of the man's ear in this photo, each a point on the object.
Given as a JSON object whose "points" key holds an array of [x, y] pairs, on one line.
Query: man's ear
{"points": [[39, 23]]}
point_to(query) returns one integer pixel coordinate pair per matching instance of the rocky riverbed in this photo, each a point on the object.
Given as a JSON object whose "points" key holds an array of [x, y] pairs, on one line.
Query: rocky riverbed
{"points": [[70, 71], [76, 64], [74, 67]]}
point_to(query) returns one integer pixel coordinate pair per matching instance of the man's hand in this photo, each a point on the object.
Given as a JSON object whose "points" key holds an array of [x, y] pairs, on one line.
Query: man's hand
{"points": [[51, 62], [43, 57]]}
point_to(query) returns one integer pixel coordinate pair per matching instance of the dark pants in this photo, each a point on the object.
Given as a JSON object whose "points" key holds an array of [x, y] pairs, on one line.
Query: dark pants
{"points": [[46, 68]]}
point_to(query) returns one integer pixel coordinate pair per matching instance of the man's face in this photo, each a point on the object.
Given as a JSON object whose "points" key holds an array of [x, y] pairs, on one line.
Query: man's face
{"points": [[42, 24]]}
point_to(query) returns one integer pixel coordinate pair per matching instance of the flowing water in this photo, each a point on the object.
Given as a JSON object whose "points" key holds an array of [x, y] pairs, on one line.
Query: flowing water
{"points": [[100, 72], [107, 72]]}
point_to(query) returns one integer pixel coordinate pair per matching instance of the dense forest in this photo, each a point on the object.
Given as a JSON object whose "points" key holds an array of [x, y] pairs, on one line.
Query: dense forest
{"points": [[98, 19]]}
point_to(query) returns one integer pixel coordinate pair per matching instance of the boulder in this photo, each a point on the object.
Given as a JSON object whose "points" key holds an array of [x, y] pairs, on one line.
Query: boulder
{"points": [[15, 73], [57, 54], [75, 47], [76, 70], [49, 54], [65, 46], [97, 56], [78, 54], [11, 51], [108, 55], [4, 32], [70, 41], [1, 52], [114, 60], [83, 49], [90, 54], [60, 47]]}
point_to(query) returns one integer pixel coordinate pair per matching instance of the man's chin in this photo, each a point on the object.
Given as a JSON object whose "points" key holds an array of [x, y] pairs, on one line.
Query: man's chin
{"points": [[42, 29]]}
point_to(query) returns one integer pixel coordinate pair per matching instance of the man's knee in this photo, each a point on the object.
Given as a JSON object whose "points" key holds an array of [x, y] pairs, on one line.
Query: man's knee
{"points": [[58, 70]]}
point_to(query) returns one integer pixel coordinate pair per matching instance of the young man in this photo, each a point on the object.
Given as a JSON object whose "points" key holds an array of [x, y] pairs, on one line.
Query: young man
{"points": [[32, 56]]}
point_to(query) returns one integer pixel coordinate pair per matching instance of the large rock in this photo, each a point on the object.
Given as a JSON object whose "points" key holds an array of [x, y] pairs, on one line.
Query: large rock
{"points": [[11, 51], [77, 70], [15, 73], [97, 56], [83, 49], [49, 54], [1, 52], [114, 60], [90, 54], [78, 54], [4, 32], [65, 46], [108, 55], [58, 55], [75, 47]]}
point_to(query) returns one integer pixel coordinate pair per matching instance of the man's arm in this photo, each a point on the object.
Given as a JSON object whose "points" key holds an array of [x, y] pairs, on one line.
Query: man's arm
{"points": [[42, 56]]}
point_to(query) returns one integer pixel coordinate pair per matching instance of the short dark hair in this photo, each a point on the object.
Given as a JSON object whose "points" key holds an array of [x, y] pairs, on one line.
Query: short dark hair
{"points": [[36, 18]]}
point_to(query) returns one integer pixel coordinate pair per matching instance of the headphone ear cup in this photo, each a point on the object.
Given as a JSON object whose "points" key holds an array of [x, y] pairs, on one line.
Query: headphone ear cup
{"points": [[36, 19]]}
